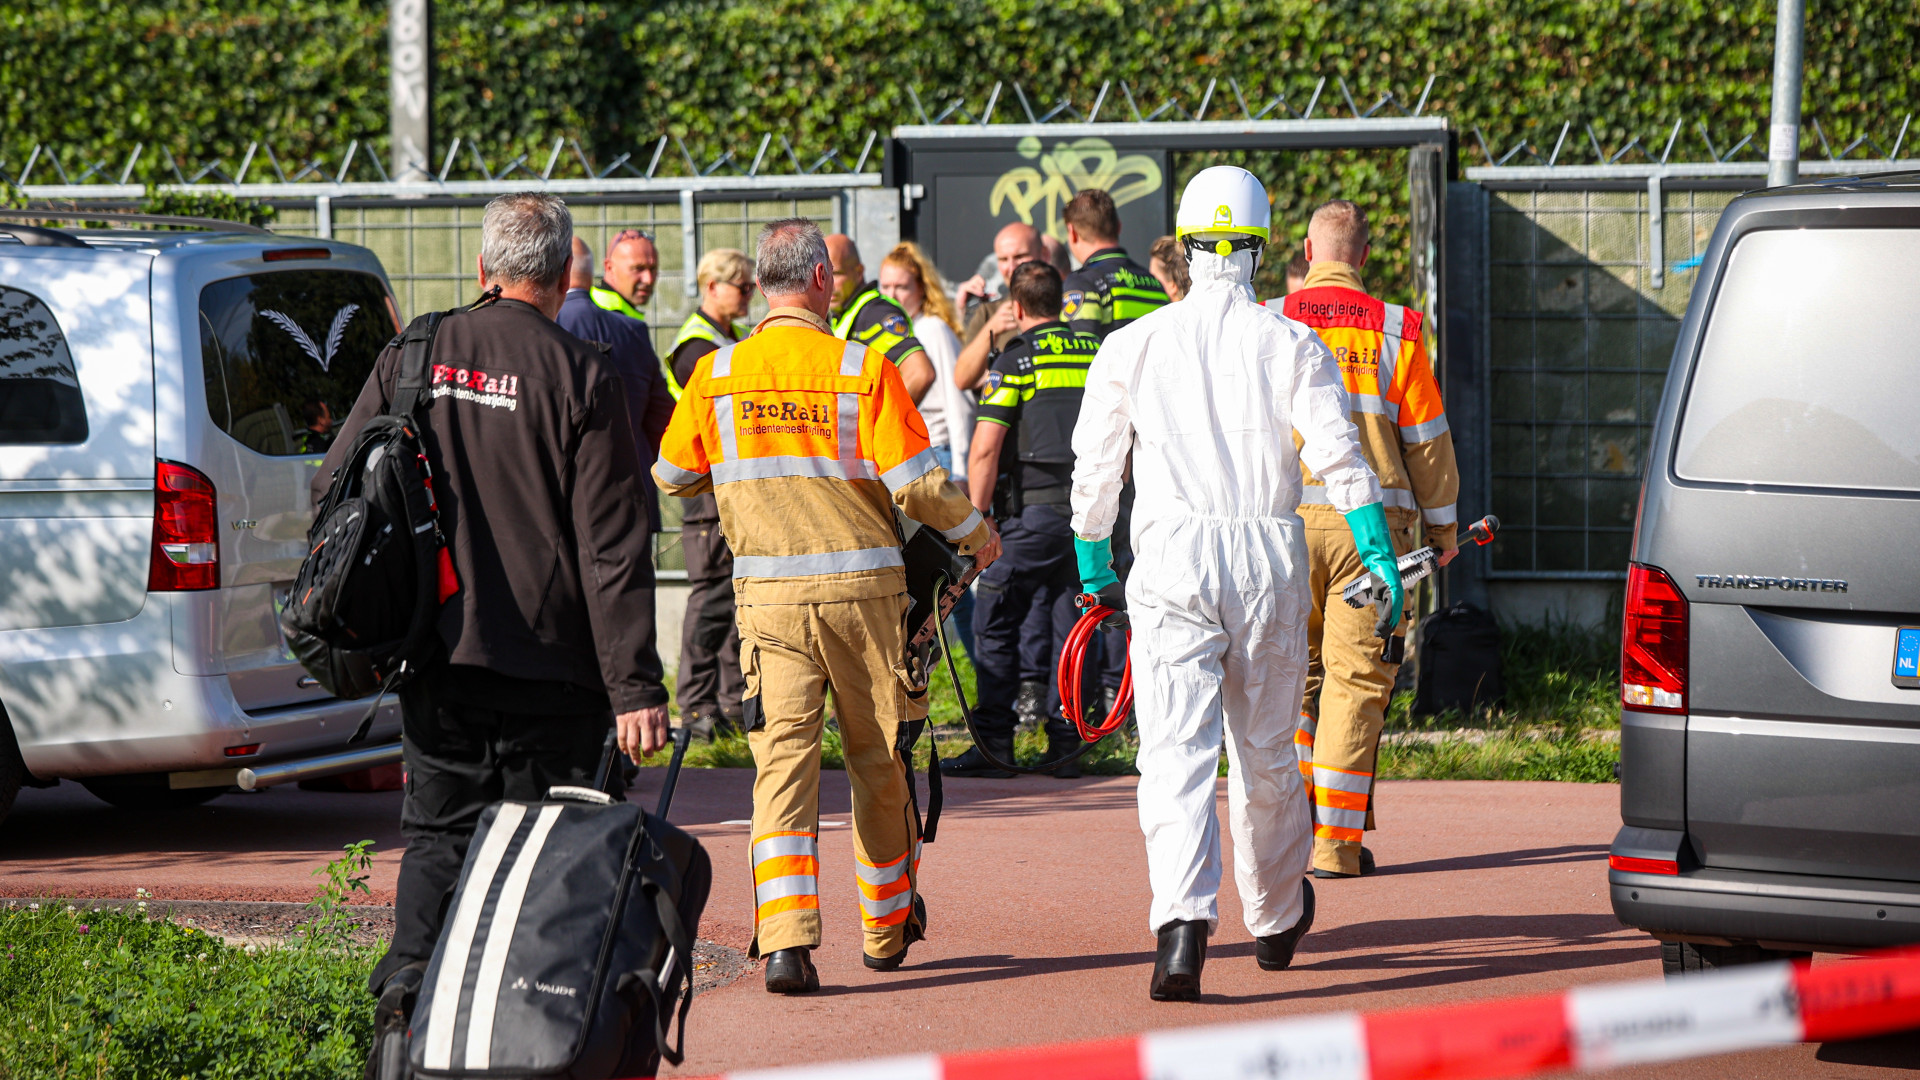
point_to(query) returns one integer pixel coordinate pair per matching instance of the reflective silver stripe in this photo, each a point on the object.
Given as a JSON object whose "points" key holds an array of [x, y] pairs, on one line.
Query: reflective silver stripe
{"points": [[881, 875], [1316, 495], [1367, 403], [493, 959], [674, 474], [1441, 515], [773, 847], [726, 472], [1338, 818], [825, 562], [877, 909], [722, 364], [1341, 781], [854, 359], [910, 470], [849, 430], [964, 529], [1419, 433], [1392, 322], [466, 920], [1278, 303], [725, 421], [782, 887]]}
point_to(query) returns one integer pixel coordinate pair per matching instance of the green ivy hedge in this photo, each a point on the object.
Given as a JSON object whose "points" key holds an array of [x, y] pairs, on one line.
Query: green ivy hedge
{"points": [[206, 77]]}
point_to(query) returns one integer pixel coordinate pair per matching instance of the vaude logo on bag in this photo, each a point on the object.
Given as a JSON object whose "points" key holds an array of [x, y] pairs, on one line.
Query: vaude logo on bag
{"points": [[545, 988]]}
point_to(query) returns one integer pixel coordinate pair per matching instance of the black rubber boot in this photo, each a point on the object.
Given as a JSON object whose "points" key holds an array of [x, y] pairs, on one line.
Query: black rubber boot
{"points": [[791, 971], [1275, 951], [916, 931], [387, 1059], [1060, 748], [1176, 970], [972, 763]]}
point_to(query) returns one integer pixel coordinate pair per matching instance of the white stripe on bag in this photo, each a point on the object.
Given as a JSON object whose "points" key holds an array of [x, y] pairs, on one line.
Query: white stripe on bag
{"points": [[466, 919], [493, 959]]}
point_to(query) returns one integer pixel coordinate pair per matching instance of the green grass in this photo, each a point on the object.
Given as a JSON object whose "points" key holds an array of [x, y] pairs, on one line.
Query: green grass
{"points": [[1501, 756], [110, 995], [1562, 681]]}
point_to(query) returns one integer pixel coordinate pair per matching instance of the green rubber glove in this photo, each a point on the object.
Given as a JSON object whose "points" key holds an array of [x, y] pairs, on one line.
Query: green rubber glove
{"points": [[1370, 535], [1096, 563]]}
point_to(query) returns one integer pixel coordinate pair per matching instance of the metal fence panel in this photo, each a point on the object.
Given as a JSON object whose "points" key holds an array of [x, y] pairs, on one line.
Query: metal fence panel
{"points": [[1579, 337]]}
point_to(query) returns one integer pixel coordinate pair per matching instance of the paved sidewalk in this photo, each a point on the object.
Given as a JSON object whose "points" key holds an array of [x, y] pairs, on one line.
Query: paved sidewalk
{"points": [[1038, 898]]}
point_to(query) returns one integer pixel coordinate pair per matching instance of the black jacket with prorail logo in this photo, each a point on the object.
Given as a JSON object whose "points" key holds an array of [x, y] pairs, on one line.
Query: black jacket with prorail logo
{"points": [[541, 499]]}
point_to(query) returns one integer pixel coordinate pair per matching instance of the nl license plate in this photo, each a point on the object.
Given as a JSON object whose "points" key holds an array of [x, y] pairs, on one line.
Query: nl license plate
{"points": [[1906, 657]]}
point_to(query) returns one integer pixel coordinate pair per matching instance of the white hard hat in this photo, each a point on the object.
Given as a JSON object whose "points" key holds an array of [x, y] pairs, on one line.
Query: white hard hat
{"points": [[1224, 205]]}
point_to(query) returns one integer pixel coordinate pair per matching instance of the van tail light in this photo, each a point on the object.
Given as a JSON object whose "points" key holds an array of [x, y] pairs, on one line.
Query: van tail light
{"points": [[1653, 643], [1632, 865], [186, 541]]}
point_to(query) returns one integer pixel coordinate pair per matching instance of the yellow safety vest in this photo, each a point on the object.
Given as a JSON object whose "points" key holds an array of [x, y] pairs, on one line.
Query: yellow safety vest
{"points": [[876, 337], [698, 327]]}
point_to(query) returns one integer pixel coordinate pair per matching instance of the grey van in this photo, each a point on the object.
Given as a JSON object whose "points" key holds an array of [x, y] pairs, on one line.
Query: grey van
{"points": [[1770, 670], [165, 397]]}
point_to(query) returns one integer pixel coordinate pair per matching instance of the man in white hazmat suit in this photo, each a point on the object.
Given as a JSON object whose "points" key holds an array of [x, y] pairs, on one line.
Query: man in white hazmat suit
{"points": [[1207, 394]]}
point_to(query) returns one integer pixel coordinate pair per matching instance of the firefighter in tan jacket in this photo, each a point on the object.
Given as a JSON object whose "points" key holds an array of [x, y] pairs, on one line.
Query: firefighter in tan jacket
{"points": [[809, 444], [1403, 433]]}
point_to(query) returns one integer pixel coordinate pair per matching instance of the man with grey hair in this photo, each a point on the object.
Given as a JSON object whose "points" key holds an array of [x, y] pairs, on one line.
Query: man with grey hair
{"points": [[546, 639], [810, 444]]}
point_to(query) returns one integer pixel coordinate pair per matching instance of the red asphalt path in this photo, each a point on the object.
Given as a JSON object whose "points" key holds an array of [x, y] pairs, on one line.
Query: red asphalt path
{"points": [[1037, 899]]}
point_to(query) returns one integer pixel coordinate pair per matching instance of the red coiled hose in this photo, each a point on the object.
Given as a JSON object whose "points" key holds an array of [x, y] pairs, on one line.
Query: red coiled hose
{"points": [[1073, 662]]}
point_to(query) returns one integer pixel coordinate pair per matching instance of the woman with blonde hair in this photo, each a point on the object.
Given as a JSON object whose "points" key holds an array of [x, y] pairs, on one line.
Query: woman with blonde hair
{"points": [[909, 277]]}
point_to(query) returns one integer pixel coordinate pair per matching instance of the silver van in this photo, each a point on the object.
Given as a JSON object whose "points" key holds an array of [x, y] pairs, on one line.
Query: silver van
{"points": [[1770, 670], [164, 399]]}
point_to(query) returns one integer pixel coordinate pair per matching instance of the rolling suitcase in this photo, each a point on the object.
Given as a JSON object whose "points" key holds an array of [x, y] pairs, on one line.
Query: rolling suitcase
{"points": [[568, 947]]}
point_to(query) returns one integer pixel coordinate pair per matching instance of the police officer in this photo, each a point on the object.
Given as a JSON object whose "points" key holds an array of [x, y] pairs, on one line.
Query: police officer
{"points": [[1109, 290], [710, 682], [861, 312], [1033, 391]]}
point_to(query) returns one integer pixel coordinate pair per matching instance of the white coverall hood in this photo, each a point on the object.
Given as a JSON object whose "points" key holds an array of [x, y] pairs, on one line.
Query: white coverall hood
{"points": [[1206, 395]]}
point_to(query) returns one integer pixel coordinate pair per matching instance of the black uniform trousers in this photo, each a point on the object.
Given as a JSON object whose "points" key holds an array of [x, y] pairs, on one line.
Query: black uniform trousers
{"points": [[1036, 576], [460, 760], [709, 679]]}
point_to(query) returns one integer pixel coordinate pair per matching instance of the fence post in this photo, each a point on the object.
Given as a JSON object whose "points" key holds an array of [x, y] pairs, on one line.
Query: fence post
{"points": [[689, 243], [1657, 233], [323, 216]]}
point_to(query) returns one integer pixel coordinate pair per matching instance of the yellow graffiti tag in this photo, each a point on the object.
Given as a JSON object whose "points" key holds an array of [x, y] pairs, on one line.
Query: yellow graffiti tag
{"points": [[1065, 170]]}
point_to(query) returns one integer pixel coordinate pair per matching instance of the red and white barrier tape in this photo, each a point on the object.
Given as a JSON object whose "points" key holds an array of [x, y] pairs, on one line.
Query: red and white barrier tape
{"points": [[1593, 1027]]}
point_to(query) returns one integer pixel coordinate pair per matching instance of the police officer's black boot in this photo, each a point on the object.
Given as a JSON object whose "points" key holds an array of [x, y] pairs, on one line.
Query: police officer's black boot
{"points": [[974, 763], [387, 1058], [1275, 951], [1059, 747], [791, 971], [1183, 952]]}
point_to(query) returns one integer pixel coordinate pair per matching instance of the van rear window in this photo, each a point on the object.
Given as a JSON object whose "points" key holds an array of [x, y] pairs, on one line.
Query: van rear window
{"points": [[1810, 365], [39, 393], [285, 354]]}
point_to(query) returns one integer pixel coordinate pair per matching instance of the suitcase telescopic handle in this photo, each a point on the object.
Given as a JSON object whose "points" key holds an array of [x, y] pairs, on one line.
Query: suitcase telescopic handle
{"points": [[681, 737]]}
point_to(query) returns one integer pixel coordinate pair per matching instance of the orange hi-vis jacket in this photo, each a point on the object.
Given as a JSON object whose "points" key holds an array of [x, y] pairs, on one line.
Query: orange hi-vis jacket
{"points": [[1395, 400], [808, 443]]}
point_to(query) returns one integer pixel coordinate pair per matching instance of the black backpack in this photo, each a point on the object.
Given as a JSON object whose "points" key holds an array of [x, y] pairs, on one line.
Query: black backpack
{"points": [[367, 598], [1459, 661]]}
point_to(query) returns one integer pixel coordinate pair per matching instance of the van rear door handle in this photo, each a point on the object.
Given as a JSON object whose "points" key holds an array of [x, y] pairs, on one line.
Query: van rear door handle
{"points": [[306, 682]]}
